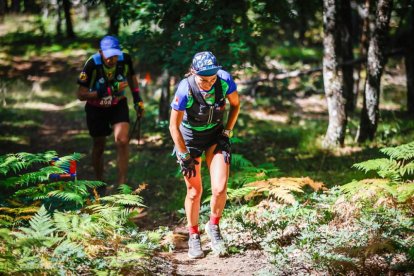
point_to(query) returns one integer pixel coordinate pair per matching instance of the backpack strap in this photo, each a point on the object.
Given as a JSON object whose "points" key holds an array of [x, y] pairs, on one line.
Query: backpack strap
{"points": [[218, 91], [195, 91], [99, 66]]}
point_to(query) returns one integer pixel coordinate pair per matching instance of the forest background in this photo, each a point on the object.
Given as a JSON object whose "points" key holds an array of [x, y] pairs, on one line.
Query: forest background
{"points": [[322, 174]]}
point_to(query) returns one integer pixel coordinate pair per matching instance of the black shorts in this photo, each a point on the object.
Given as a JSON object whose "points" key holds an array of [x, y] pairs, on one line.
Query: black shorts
{"points": [[101, 119], [199, 141]]}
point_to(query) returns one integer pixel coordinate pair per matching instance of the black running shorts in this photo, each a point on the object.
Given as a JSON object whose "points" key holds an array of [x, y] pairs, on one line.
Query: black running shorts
{"points": [[199, 141], [101, 119]]}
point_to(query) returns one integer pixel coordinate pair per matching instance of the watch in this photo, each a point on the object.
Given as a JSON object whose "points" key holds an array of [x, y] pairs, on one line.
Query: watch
{"points": [[228, 133], [183, 155]]}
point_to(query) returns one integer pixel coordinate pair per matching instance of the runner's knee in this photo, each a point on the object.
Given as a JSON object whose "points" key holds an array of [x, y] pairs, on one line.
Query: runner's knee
{"points": [[194, 192], [219, 191], [121, 141]]}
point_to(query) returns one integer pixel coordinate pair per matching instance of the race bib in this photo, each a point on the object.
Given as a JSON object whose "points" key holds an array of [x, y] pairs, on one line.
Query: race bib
{"points": [[106, 101]]}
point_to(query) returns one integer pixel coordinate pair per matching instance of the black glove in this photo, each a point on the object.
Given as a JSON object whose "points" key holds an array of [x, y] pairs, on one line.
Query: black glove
{"points": [[188, 166], [224, 146]]}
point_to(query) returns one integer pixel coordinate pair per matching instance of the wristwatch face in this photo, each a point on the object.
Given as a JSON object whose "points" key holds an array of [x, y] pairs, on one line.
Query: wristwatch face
{"points": [[228, 133]]}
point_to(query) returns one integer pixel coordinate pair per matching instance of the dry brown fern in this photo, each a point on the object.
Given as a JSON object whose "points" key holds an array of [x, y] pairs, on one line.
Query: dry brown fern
{"points": [[282, 188]]}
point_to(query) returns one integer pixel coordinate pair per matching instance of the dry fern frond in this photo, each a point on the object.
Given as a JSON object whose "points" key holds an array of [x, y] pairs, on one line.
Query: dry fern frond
{"points": [[282, 188]]}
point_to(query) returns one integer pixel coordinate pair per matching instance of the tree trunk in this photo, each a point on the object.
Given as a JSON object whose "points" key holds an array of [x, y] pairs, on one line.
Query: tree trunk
{"points": [[113, 12], [164, 106], [3, 6], [59, 18], [409, 65], [363, 42], [333, 76], [347, 54], [375, 66], [68, 19], [15, 6], [30, 6]]}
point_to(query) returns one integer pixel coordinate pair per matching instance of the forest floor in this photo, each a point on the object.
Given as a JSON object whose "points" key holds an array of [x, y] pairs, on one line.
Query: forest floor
{"points": [[58, 131], [61, 127]]}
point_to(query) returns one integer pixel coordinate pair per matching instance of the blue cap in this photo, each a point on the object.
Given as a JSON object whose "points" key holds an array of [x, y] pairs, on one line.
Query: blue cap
{"points": [[205, 64], [110, 46]]}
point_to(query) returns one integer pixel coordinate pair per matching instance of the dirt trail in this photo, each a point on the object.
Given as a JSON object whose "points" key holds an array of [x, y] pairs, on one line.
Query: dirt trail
{"points": [[57, 132]]}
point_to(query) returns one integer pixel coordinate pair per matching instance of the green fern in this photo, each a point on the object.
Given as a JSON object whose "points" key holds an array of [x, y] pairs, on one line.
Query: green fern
{"points": [[404, 152], [67, 196], [124, 200], [19, 161], [125, 189], [238, 161], [40, 231]]}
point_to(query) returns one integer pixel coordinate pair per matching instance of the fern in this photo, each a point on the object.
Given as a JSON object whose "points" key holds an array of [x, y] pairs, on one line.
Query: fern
{"points": [[40, 230], [32, 177], [67, 196], [19, 161], [278, 188], [405, 192], [124, 200], [394, 172], [125, 189], [238, 161], [378, 188], [403, 152]]}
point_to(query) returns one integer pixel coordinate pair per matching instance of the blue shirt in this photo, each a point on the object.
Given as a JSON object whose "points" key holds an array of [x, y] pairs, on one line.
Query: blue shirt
{"points": [[183, 100]]}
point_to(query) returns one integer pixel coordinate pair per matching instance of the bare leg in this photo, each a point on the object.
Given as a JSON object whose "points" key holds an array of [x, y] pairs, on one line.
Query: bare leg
{"points": [[219, 174], [97, 157], [193, 197], [122, 147]]}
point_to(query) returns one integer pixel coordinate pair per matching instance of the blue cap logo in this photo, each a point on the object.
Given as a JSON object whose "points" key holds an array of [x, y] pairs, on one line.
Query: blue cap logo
{"points": [[205, 64], [110, 46]]}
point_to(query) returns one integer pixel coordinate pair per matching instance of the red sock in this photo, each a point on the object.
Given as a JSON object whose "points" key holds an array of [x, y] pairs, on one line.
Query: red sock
{"points": [[214, 220], [193, 229]]}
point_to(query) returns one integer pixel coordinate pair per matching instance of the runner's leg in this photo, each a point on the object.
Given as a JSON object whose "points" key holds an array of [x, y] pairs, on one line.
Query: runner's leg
{"points": [[193, 197], [97, 156], [121, 140], [219, 174]]}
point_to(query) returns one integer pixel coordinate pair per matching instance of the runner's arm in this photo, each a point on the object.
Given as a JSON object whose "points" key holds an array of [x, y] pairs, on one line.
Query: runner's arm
{"points": [[84, 93], [234, 101], [175, 121]]}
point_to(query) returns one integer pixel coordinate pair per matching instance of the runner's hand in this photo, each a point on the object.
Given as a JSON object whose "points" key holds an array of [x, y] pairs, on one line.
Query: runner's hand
{"points": [[102, 91], [224, 145], [139, 108], [118, 88], [188, 167]]}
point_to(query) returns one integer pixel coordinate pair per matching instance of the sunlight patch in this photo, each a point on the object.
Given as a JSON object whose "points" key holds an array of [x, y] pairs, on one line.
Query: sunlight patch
{"points": [[47, 106]]}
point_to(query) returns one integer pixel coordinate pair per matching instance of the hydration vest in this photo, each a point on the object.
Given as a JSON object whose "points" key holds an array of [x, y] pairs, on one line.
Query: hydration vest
{"points": [[201, 113], [101, 77]]}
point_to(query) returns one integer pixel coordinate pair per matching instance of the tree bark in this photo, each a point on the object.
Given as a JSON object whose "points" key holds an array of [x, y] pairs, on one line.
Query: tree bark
{"points": [[333, 76], [164, 106], [347, 54], [363, 42], [59, 18], [68, 19], [3, 6], [15, 6], [113, 12], [409, 64], [375, 66]]}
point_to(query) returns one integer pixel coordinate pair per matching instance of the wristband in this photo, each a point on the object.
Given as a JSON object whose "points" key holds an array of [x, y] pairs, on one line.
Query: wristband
{"points": [[136, 97], [135, 90], [183, 155]]}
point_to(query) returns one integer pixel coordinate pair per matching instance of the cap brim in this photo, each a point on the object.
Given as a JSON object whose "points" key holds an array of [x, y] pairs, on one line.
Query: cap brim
{"points": [[112, 52], [209, 72]]}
